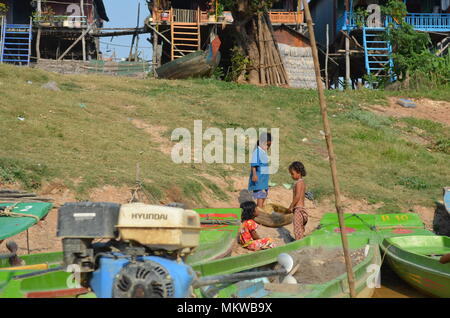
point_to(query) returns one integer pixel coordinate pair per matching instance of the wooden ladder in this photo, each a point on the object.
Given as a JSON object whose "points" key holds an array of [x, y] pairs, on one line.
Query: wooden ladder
{"points": [[185, 36]]}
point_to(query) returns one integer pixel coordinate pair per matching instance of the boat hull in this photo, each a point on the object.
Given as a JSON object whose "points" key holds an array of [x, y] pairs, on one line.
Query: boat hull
{"points": [[410, 259], [10, 226], [365, 273], [197, 64]]}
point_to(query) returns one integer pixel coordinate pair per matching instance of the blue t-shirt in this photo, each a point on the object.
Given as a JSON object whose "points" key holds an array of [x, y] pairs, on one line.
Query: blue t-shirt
{"points": [[260, 160]]}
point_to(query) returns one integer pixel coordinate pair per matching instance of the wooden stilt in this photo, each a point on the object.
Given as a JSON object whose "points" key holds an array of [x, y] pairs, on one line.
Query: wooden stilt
{"points": [[38, 44], [155, 53], [58, 49], [83, 43], [38, 36], [347, 63], [76, 42], [137, 35], [326, 125]]}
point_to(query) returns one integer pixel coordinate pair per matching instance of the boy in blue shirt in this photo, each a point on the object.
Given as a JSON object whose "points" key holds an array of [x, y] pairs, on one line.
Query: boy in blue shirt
{"points": [[258, 183]]}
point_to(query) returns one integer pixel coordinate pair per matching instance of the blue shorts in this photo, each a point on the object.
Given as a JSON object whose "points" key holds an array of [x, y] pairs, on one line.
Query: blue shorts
{"points": [[260, 194]]}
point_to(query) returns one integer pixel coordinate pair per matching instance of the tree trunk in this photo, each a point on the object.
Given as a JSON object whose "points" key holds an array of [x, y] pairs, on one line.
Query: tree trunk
{"points": [[255, 40]]}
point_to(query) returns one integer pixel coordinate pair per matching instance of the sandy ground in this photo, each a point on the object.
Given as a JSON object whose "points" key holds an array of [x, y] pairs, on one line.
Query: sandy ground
{"points": [[438, 111], [42, 237]]}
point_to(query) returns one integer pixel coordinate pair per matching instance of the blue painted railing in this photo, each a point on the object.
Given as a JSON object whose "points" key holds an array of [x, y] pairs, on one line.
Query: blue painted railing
{"points": [[439, 22], [429, 21]]}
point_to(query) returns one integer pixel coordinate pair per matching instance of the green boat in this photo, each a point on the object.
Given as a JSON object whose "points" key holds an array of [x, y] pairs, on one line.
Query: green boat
{"points": [[217, 238], [13, 225], [378, 226], [216, 241], [361, 229], [365, 272], [416, 260]]}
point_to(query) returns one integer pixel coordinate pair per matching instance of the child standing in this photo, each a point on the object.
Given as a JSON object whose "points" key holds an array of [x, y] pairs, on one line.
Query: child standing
{"points": [[247, 234], [297, 171], [258, 183]]}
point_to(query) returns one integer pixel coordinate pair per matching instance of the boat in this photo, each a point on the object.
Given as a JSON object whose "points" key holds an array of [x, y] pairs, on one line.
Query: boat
{"points": [[196, 64], [219, 232], [415, 259], [363, 230], [447, 199], [377, 226], [13, 225], [365, 272], [217, 236]]}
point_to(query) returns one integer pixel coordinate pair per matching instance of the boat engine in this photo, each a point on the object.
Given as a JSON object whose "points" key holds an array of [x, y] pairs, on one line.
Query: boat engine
{"points": [[130, 250]]}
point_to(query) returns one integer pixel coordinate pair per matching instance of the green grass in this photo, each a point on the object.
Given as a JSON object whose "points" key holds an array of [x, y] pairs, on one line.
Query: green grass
{"points": [[94, 144]]}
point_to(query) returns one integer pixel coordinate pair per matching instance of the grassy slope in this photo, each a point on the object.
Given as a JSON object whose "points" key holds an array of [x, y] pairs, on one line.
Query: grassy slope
{"points": [[97, 145]]}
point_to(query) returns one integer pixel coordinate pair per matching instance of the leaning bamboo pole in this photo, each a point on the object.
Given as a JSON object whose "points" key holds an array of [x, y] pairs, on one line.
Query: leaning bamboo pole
{"points": [[326, 125]]}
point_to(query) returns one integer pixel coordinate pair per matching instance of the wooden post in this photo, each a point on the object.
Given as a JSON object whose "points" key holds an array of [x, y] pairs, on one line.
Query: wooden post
{"points": [[326, 125], [172, 46], [327, 56], [155, 49], [262, 69], [38, 36], [38, 43], [347, 52], [162, 36], [137, 35], [199, 32], [347, 63], [83, 39], [134, 36]]}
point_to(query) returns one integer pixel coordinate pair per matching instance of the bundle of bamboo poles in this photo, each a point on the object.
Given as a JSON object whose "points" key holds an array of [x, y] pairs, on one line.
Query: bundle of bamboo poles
{"points": [[271, 67], [20, 196]]}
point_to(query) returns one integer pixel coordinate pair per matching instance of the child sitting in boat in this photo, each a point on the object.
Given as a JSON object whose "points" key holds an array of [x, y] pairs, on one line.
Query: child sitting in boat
{"points": [[247, 235], [297, 171]]}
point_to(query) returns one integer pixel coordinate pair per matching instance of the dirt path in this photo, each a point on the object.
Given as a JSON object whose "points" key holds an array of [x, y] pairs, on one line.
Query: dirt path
{"points": [[438, 111]]}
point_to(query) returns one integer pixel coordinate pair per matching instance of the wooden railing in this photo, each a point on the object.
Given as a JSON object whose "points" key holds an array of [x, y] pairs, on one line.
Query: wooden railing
{"points": [[182, 15], [288, 17], [179, 15]]}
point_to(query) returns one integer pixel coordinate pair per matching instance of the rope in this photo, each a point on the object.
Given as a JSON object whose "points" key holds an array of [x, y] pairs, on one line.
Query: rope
{"points": [[8, 212], [384, 254]]}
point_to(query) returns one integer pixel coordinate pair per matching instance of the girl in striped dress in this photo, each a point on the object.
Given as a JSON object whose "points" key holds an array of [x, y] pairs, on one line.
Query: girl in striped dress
{"points": [[297, 171]]}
